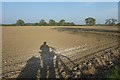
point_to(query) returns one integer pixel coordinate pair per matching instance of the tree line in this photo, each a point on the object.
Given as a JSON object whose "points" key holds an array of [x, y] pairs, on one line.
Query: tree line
{"points": [[89, 22]]}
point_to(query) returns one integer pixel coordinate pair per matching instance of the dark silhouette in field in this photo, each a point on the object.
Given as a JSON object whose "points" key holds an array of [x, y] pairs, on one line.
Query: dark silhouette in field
{"points": [[47, 61], [47, 65], [31, 68], [45, 48]]}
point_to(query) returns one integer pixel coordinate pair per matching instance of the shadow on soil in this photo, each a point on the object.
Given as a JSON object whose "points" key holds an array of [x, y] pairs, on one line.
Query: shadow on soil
{"points": [[52, 65], [48, 65]]}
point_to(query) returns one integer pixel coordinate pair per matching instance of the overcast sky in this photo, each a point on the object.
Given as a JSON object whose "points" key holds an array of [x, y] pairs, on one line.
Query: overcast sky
{"points": [[70, 11]]}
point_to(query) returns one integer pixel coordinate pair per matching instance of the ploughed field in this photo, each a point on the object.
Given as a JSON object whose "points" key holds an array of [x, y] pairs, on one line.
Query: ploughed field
{"points": [[20, 43]]}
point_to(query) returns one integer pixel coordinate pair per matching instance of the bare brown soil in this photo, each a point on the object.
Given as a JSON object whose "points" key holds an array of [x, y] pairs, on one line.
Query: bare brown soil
{"points": [[20, 43], [0, 49]]}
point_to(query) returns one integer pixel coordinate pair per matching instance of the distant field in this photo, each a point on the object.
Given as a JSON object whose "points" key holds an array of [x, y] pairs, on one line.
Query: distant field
{"points": [[93, 27], [20, 43]]}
